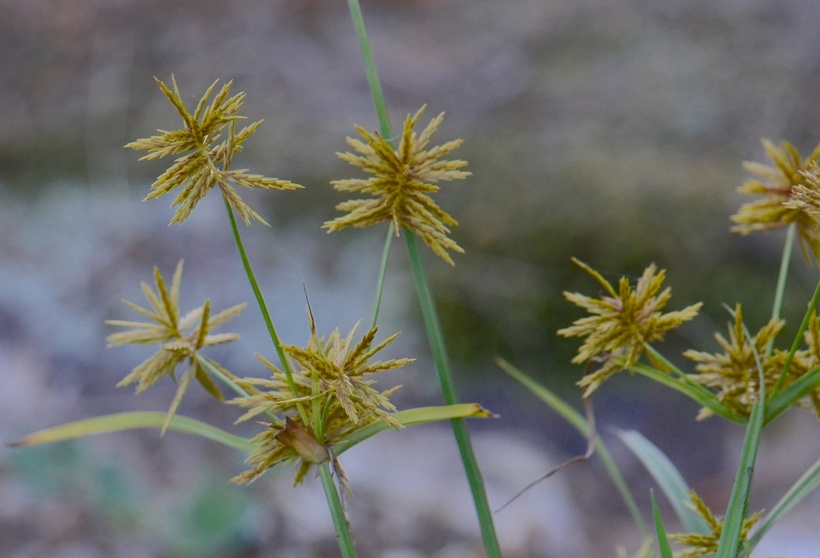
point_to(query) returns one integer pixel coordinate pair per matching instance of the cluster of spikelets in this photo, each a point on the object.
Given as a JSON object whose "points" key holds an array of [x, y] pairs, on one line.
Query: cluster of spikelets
{"points": [[403, 178], [179, 338], [622, 324], [328, 396], [706, 544], [324, 392], [789, 193]]}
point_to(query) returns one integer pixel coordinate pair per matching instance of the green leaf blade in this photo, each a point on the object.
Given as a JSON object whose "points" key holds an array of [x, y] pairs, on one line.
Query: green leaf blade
{"points": [[130, 421]]}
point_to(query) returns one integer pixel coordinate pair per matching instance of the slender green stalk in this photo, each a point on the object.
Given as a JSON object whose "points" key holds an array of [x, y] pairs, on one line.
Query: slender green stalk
{"points": [[783, 274], [462, 434], [220, 375], [730, 544], [797, 339], [434, 334], [343, 535], [263, 307], [331, 492], [370, 68], [388, 242]]}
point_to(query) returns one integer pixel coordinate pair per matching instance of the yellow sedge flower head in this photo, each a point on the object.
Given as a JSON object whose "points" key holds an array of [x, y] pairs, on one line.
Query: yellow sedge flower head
{"points": [[205, 161], [734, 372], [706, 544], [403, 179], [622, 323], [776, 184], [179, 338], [805, 197], [334, 396]]}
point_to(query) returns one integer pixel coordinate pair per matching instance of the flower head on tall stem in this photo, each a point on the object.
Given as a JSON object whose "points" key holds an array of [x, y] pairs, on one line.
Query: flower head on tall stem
{"points": [[403, 180], [179, 337], [205, 161], [622, 323], [334, 398], [778, 185]]}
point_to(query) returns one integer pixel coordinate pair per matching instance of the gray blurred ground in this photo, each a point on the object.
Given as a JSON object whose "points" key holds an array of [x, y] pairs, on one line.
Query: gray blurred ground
{"points": [[610, 131]]}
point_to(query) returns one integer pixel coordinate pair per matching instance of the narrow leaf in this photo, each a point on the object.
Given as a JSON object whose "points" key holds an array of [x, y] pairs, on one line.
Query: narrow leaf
{"points": [[730, 538], [129, 421], [798, 389], [413, 416], [807, 484], [578, 421], [692, 390], [660, 530], [667, 476]]}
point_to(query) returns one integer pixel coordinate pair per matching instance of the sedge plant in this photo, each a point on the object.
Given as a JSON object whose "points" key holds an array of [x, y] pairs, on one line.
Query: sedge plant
{"points": [[320, 399], [752, 379], [316, 400]]}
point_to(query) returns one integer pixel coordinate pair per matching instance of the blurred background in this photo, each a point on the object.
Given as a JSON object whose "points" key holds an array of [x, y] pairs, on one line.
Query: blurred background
{"points": [[609, 131]]}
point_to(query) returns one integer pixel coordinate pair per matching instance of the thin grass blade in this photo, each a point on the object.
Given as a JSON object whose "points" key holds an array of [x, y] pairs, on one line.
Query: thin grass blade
{"points": [[129, 421], [667, 476], [577, 420], [807, 484], [730, 539], [408, 417], [786, 398], [660, 530]]}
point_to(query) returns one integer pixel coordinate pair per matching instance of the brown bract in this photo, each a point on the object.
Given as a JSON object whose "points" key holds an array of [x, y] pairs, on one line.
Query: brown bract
{"points": [[205, 161], [403, 180], [621, 324], [777, 185]]}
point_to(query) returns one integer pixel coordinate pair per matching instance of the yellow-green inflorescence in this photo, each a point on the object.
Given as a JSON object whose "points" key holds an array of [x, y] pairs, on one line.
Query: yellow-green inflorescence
{"points": [[403, 180], [332, 397], [734, 373], [706, 544], [621, 323], [205, 161], [179, 337], [781, 186]]}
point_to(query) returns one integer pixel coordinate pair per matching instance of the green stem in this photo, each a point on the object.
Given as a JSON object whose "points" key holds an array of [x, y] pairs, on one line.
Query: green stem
{"points": [[263, 307], [436, 339], [797, 339], [331, 493], [370, 68], [462, 434], [784, 273], [388, 242], [337, 511]]}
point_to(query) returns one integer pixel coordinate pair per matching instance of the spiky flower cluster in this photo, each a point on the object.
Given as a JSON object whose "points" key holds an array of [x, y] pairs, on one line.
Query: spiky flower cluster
{"points": [[806, 195], [706, 544], [328, 397], [403, 179], [780, 186], [206, 161], [179, 337], [621, 324], [734, 374]]}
